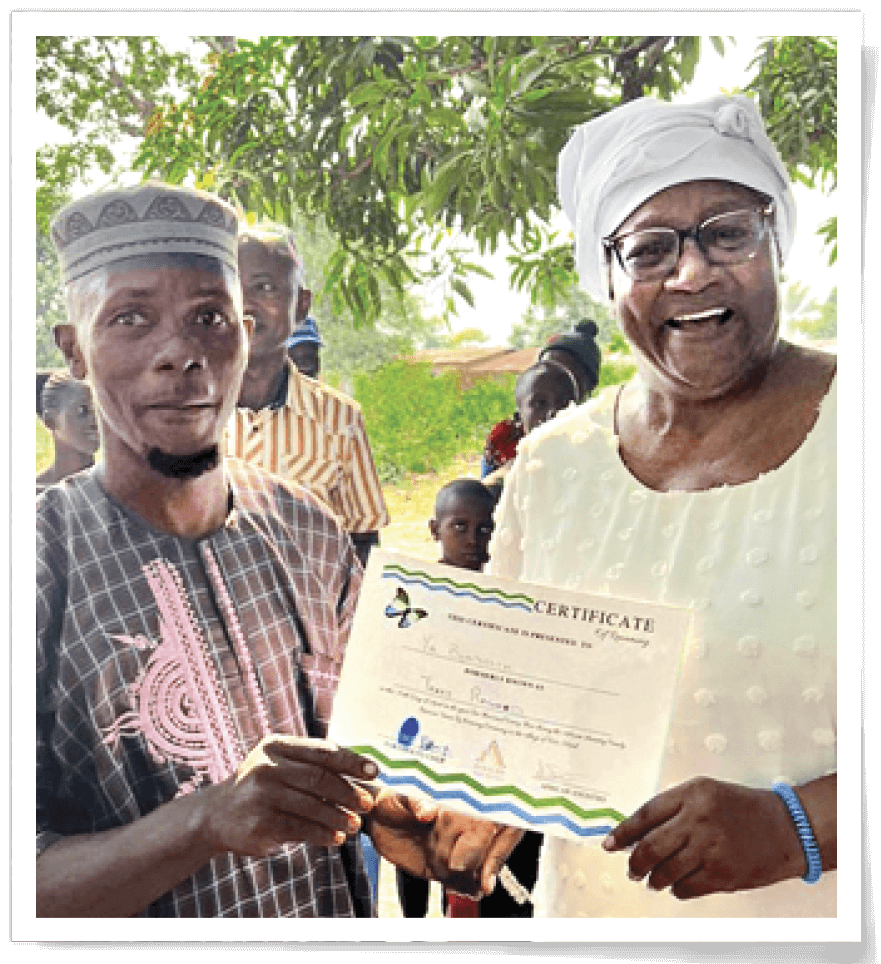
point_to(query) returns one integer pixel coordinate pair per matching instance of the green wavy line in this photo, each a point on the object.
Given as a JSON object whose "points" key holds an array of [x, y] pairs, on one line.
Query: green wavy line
{"points": [[458, 585], [536, 802]]}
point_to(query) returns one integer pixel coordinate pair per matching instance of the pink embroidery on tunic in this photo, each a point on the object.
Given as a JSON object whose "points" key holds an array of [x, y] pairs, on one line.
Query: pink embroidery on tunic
{"points": [[179, 705], [238, 640]]}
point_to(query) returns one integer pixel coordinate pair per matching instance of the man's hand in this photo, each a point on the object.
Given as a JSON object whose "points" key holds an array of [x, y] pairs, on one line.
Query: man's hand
{"points": [[706, 836], [464, 854], [288, 790]]}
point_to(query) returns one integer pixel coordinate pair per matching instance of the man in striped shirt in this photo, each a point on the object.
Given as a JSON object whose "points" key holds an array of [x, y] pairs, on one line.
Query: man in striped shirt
{"points": [[290, 424]]}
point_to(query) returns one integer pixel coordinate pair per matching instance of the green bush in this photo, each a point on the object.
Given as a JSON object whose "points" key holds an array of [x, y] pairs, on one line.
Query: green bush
{"points": [[419, 422], [615, 372]]}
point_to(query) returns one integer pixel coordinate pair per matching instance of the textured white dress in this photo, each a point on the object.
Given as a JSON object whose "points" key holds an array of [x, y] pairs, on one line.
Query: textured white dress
{"points": [[756, 700]]}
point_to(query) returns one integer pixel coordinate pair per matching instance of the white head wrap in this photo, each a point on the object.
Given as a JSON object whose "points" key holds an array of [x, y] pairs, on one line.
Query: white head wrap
{"points": [[150, 218], [615, 162]]}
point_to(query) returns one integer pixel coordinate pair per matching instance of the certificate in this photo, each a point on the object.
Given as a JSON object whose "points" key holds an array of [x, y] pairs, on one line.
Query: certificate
{"points": [[536, 707]]}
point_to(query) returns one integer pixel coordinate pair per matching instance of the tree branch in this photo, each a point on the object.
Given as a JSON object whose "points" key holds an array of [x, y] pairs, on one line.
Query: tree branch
{"points": [[631, 86], [144, 108], [632, 52], [220, 45]]}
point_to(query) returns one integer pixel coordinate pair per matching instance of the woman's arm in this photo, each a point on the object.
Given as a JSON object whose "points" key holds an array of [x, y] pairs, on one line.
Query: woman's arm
{"points": [[706, 836]]}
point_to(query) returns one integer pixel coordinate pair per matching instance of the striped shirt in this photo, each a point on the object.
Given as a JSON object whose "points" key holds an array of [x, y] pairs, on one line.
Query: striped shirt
{"points": [[318, 439], [162, 661]]}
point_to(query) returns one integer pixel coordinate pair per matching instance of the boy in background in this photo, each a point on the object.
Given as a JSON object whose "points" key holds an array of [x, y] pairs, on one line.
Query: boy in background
{"points": [[463, 523]]}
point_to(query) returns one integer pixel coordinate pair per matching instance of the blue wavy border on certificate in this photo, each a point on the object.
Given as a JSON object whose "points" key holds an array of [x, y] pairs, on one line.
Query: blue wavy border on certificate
{"points": [[588, 825], [442, 584]]}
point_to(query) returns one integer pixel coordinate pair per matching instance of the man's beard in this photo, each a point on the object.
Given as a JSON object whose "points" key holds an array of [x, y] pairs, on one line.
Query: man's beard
{"points": [[189, 466]]}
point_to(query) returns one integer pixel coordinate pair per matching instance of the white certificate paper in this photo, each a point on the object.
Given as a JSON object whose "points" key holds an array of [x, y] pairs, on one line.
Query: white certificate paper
{"points": [[530, 706]]}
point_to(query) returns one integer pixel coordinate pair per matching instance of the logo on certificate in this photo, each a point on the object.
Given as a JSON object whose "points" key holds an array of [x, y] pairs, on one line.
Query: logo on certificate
{"points": [[408, 731], [491, 758], [424, 746], [401, 610]]}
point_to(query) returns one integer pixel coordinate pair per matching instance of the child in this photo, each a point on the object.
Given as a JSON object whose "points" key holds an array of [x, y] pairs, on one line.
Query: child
{"points": [[463, 524], [541, 391], [578, 352]]}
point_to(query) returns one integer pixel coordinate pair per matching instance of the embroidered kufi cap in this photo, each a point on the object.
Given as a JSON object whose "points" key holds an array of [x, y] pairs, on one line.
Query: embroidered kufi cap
{"points": [[615, 162], [150, 218]]}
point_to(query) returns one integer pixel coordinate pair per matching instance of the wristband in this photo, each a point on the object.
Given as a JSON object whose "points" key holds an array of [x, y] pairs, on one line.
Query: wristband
{"points": [[514, 888], [805, 833]]}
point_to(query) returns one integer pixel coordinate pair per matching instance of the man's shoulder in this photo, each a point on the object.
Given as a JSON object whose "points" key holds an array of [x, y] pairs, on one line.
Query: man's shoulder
{"points": [[329, 396], [77, 495], [262, 493]]}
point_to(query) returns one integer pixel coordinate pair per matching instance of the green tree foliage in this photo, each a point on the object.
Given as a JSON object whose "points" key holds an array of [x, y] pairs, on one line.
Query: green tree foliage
{"points": [[50, 304], [403, 142], [796, 83], [467, 338], [411, 149], [403, 326], [419, 422], [101, 90], [807, 316]]}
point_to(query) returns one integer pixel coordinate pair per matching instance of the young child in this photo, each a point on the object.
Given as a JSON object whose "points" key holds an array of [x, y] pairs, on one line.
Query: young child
{"points": [[578, 352], [463, 523], [544, 389]]}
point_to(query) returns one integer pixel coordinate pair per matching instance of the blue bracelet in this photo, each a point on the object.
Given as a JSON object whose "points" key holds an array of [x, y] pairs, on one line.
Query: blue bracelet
{"points": [[805, 833]]}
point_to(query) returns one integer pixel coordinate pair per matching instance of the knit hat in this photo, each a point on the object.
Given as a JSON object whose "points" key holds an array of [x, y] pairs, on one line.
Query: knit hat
{"points": [[151, 218], [615, 162], [306, 332], [580, 342]]}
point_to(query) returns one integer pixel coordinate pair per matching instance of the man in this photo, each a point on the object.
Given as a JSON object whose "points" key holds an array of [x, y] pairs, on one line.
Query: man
{"points": [[304, 346], [192, 615], [290, 424]]}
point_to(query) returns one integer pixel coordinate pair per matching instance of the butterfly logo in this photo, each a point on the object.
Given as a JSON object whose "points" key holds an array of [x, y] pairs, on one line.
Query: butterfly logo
{"points": [[401, 608]]}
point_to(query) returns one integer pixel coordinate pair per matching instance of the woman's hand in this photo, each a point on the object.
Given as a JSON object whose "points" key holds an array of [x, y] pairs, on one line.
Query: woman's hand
{"points": [[705, 836]]}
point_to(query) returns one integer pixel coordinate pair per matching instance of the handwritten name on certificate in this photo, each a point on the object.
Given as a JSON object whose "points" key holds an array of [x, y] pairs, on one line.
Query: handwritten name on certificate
{"points": [[531, 706]]}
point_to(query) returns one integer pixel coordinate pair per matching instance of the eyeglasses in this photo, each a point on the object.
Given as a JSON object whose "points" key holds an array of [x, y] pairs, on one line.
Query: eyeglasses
{"points": [[653, 254]]}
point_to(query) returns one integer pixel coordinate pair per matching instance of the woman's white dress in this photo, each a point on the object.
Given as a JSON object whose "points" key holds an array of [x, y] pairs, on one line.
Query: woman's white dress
{"points": [[756, 699]]}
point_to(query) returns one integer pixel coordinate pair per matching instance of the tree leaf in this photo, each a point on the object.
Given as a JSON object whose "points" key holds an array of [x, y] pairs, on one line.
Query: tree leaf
{"points": [[463, 291]]}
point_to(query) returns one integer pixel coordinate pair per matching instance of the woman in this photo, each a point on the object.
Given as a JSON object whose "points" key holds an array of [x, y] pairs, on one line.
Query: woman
{"points": [[709, 482], [577, 351], [66, 410]]}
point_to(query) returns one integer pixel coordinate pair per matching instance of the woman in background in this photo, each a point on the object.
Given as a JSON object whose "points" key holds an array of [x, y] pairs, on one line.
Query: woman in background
{"points": [[67, 412]]}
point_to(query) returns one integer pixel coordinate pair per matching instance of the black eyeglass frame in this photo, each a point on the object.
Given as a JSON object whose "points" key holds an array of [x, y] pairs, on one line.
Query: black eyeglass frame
{"points": [[610, 244]]}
